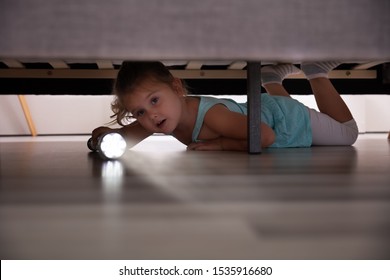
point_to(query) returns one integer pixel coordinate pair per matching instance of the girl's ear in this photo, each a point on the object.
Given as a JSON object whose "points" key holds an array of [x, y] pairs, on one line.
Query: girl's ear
{"points": [[178, 87]]}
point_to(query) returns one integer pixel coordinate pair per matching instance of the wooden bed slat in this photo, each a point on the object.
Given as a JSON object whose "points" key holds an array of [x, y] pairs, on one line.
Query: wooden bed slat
{"points": [[13, 63], [237, 65], [58, 64], [368, 65], [104, 64], [194, 65]]}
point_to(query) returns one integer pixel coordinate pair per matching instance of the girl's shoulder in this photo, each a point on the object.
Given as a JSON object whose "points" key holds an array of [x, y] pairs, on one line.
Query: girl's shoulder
{"points": [[207, 102]]}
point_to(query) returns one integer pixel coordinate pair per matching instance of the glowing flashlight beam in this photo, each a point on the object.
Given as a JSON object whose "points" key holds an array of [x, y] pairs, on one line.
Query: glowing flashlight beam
{"points": [[109, 146]]}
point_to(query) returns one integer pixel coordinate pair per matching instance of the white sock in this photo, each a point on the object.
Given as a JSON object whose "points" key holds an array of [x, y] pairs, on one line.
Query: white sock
{"points": [[318, 69], [277, 73]]}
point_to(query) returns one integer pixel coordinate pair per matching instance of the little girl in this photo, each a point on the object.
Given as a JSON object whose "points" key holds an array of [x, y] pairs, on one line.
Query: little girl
{"points": [[158, 103]]}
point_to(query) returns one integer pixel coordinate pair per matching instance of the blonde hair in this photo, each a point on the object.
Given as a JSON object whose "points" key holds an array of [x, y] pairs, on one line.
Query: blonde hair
{"points": [[132, 74]]}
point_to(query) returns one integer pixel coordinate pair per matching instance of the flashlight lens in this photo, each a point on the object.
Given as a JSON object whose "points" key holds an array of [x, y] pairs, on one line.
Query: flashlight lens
{"points": [[113, 145]]}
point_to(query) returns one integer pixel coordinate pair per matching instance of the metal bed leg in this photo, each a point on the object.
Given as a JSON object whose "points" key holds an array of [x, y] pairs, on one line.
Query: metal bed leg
{"points": [[27, 115], [254, 107]]}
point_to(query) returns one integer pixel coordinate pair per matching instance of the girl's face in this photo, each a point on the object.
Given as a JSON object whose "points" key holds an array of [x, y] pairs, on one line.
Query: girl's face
{"points": [[155, 105]]}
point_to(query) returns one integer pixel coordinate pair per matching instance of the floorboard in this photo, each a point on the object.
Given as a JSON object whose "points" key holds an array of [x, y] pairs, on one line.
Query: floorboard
{"points": [[58, 201]]}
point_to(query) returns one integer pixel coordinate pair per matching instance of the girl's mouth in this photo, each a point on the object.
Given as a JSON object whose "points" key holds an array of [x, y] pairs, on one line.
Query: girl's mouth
{"points": [[161, 123]]}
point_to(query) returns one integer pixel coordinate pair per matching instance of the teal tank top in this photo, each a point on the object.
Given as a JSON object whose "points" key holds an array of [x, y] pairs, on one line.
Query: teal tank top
{"points": [[286, 116]]}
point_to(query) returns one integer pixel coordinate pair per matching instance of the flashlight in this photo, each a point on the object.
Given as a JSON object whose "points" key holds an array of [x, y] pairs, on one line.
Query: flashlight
{"points": [[109, 146]]}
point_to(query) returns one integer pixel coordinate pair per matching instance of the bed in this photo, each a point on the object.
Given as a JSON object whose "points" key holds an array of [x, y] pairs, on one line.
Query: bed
{"points": [[201, 40]]}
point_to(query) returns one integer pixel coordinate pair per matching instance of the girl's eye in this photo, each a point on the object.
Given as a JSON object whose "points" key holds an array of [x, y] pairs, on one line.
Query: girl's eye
{"points": [[154, 100], [140, 113]]}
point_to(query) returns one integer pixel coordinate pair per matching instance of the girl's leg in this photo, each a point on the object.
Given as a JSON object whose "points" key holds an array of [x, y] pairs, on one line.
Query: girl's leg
{"points": [[328, 99], [272, 77], [276, 89], [334, 124], [327, 131]]}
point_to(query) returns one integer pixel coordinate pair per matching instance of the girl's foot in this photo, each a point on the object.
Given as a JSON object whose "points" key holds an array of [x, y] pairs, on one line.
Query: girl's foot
{"points": [[277, 73], [318, 69]]}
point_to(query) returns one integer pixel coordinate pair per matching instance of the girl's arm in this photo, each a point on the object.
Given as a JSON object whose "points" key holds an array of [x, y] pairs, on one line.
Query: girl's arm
{"points": [[229, 144], [233, 130], [219, 144], [133, 133]]}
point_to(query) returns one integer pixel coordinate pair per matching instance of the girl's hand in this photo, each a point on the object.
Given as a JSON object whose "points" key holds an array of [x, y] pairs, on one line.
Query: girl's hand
{"points": [[133, 133], [209, 145], [99, 131]]}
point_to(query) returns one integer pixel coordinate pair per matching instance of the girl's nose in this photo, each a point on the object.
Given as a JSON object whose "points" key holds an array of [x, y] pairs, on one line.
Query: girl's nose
{"points": [[153, 115]]}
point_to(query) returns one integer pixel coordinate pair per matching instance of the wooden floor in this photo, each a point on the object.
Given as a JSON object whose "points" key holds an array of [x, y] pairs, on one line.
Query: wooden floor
{"points": [[58, 201]]}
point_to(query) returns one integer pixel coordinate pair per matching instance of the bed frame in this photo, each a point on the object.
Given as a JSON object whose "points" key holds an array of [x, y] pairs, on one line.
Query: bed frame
{"points": [[241, 34]]}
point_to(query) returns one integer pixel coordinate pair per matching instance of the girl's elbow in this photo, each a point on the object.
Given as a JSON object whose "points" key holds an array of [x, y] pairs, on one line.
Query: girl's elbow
{"points": [[267, 140], [268, 136]]}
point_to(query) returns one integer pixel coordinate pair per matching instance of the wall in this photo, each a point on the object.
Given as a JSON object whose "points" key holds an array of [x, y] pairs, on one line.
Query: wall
{"points": [[81, 114]]}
